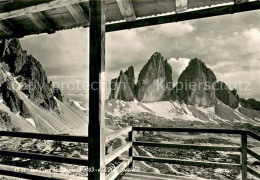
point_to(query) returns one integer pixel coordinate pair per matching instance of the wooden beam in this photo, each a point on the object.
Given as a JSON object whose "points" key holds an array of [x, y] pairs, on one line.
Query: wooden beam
{"points": [[241, 1], [55, 137], [243, 159], [96, 129], [40, 21], [78, 14], [253, 135], [126, 9], [253, 154], [116, 134], [39, 8], [5, 29], [36, 156], [181, 5], [188, 163], [197, 14], [189, 130], [188, 146], [253, 172], [116, 153]]}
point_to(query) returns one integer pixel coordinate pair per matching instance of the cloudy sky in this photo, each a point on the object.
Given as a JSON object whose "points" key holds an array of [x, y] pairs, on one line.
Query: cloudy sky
{"points": [[229, 45]]}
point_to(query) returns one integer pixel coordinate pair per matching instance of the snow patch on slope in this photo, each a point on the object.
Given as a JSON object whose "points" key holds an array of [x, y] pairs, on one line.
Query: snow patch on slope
{"points": [[79, 106], [31, 121]]}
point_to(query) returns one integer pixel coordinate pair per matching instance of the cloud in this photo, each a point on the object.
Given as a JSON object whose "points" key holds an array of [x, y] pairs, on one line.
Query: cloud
{"points": [[230, 52], [176, 29], [178, 65]]}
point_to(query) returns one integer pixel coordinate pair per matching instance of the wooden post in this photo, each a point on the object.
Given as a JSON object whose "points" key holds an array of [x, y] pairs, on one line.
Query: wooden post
{"points": [[96, 130], [244, 155], [130, 139]]}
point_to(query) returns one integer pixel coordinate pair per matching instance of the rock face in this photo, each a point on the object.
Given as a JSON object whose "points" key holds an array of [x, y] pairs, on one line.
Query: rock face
{"points": [[155, 80], [123, 87], [29, 73], [250, 103], [195, 84], [225, 95], [13, 101], [57, 94]]}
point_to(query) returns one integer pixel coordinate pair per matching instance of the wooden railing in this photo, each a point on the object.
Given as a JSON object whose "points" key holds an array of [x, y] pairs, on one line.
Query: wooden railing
{"points": [[128, 133], [243, 149], [36, 156]]}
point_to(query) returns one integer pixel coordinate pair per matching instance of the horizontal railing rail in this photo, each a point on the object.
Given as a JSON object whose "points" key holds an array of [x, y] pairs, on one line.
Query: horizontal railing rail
{"points": [[243, 149], [67, 138], [188, 163], [41, 157], [128, 162], [188, 146], [189, 130], [35, 156]]}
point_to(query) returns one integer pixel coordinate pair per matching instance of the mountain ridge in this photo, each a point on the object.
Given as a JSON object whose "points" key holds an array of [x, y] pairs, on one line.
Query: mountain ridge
{"points": [[29, 102], [200, 75]]}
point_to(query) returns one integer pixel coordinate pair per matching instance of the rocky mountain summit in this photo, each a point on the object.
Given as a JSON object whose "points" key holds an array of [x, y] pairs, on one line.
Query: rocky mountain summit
{"points": [[28, 72], [28, 101], [197, 85], [154, 82], [123, 86]]}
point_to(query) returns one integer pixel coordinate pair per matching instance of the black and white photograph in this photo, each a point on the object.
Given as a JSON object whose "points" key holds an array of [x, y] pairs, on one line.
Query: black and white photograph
{"points": [[130, 89]]}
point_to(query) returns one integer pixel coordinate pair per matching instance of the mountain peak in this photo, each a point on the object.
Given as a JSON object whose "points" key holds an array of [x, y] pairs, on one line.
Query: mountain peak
{"points": [[29, 73], [200, 77]]}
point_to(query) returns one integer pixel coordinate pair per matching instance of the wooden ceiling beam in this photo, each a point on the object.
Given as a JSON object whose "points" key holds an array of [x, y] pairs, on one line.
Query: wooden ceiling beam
{"points": [[189, 15], [240, 1], [181, 5], [78, 14], [127, 9], [39, 20], [39, 8], [5, 29]]}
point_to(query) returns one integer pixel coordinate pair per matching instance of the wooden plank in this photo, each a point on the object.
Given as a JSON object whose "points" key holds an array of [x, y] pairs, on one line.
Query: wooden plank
{"points": [[114, 135], [78, 14], [40, 21], [253, 154], [39, 8], [96, 131], [116, 153], [205, 3], [188, 146], [241, 1], [119, 169], [188, 130], [75, 161], [253, 172], [253, 135], [243, 159], [181, 5], [126, 9], [146, 8], [5, 29], [197, 14], [188, 163], [83, 139], [130, 153]]}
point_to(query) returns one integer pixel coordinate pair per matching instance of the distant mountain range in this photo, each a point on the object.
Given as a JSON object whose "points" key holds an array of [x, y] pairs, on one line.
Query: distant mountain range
{"points": [[28, 101], [197, 88]]}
